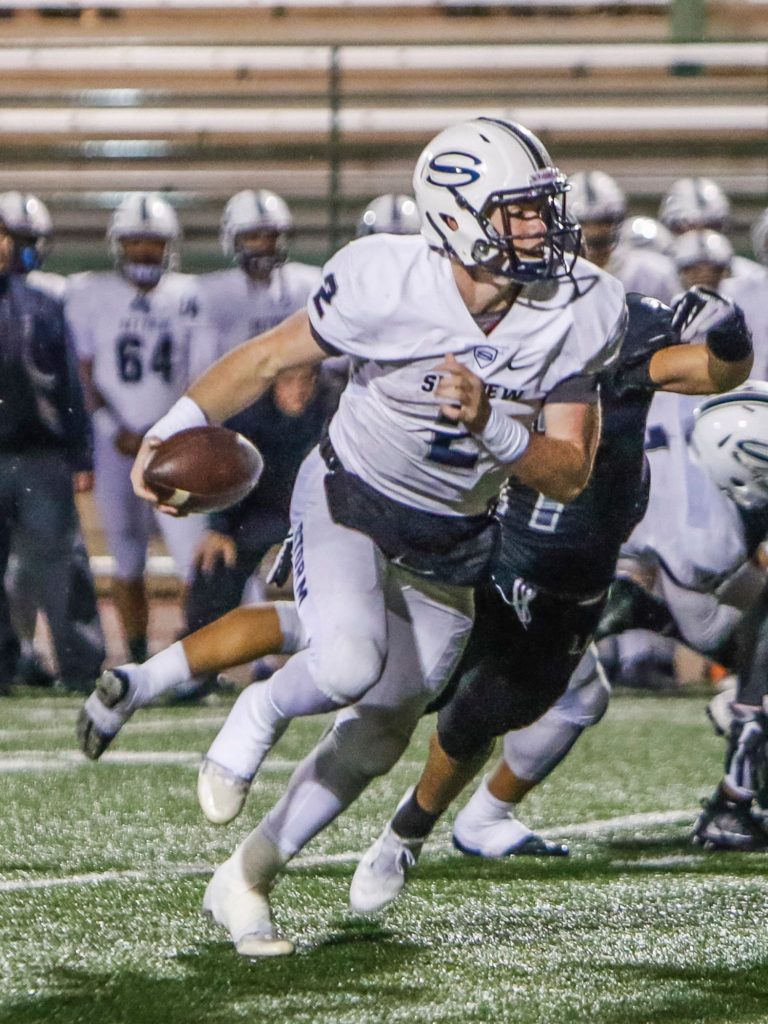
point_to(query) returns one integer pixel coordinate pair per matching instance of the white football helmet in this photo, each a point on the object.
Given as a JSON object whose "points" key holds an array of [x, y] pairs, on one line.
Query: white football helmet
{"points": [[646, 233], [702, 247], [389, 214], [27, 219], [596, 196], [472, 168], [144, 215], [256, 210], [694, 203], [759, 235], [730, 441]]}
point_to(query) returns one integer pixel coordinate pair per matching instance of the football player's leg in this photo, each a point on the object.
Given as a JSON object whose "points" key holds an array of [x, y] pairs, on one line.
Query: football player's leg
{"points": [[127, 523], [706, 623], [339, 578], [365, 741], [512, 670], [234, 639], [47, 521], [487, 825], [727, 820]]}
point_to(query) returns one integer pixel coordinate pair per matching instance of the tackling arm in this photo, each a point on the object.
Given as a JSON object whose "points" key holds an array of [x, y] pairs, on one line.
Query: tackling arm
{"points": [[558, 463]]}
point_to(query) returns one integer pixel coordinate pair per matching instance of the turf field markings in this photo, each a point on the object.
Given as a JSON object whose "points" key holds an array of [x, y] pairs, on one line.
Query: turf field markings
{"points": [[324, 859]]}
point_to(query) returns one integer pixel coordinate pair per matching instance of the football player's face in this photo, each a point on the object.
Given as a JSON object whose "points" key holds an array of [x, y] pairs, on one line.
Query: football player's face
{"points": [[257, 243], [6, 251], [144, 249], [524, 223], [708, 275], [600, 238]]}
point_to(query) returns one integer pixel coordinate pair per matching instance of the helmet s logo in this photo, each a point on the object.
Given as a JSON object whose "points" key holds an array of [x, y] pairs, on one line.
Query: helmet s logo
{"points": [[757, 450], [453, 169]]}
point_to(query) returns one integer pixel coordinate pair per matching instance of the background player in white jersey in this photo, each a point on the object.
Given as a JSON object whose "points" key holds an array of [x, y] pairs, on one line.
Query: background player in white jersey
{"points": [[141, 340], [695, 204], [265, 287], [600, 206], [421, 441], [751, 293]]}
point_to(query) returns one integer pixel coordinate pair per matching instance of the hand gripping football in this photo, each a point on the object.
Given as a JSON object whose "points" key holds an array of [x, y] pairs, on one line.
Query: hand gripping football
{"points": [[203, 469]]}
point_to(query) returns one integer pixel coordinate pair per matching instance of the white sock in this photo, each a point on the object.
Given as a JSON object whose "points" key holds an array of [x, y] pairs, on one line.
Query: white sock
{"points": [[483, 806], [261, 713], [160, 673], [257, 860]]}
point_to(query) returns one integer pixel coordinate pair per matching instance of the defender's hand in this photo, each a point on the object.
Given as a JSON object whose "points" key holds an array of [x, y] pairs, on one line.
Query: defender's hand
{"points": [[214, 548], [463, 395]]}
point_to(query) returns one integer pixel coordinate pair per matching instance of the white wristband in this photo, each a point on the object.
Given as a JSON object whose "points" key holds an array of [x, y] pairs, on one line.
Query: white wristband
{"points": [[503, 437], [182, 415]]}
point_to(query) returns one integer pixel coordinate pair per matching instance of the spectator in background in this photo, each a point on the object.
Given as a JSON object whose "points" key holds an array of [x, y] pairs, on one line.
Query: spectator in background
{"points": [[600, 207], [141, 340], [45, 455], [28, 220]]}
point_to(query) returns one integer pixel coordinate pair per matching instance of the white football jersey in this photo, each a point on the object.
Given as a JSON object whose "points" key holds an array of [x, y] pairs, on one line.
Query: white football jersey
{"points": [[690, 526], [392, 305], [239, 308], [644, 271], [743, 267], [751, 293], [146, 347]]}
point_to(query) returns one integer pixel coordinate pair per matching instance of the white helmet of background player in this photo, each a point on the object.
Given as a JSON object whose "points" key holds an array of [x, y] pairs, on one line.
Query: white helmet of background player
{"points": [[29, 223], [702, 247], [694, 203], [389, 214], [473, 168], [646, 233], [144, 215], [759, 236], [599, 206], [730, 440], [252, 211]]}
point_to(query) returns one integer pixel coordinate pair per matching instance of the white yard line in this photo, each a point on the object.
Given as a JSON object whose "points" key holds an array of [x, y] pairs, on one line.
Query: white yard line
{"points": [[586, 828]]}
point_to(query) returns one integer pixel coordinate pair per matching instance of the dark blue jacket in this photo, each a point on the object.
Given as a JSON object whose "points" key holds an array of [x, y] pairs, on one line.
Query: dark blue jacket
{"points": [[41, 399]]}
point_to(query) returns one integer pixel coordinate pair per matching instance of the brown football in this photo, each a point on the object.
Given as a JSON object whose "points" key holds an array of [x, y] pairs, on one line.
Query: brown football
{"points": [[203, 469]]}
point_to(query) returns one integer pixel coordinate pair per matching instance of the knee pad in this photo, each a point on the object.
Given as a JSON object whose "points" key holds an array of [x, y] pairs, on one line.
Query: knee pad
{"points": [[370, 744], [344, 667], [586, 700]]}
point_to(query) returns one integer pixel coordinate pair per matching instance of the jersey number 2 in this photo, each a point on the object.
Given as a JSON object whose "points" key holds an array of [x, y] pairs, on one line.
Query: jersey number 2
{"points": [[130, 367]]}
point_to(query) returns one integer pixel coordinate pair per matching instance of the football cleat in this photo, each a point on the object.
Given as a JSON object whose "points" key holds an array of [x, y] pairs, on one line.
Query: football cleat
{"points": [[105, 712], [725, 824], [383, 871], [244, 911], [505, 838], [220, 793]]}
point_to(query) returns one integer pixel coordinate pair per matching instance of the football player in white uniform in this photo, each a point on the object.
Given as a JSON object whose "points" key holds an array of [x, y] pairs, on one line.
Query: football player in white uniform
{"points": [[141, 341], [265, 287], [751, 293], [600, 206], [460, 338], [693, 204]]}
